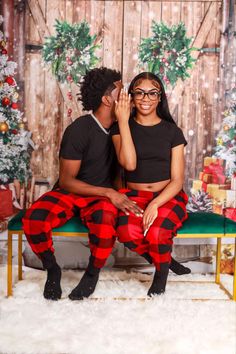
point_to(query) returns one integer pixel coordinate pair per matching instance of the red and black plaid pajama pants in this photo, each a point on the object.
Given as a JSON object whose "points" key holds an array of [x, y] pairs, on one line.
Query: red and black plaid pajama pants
{"points": [[159, 239], [56, 207]]}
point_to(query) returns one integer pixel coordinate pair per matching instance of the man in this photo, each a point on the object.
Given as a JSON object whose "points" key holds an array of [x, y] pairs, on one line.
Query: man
{"points": [[87, 161]]}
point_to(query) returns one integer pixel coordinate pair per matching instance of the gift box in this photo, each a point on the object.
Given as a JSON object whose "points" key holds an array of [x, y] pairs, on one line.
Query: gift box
{"points": [[6, 206], [233, 182], [220, 195], [230, 199], [224, 186], [216, 171], [211, 188], [205, 177], [217, 208], [230, 213], [197, 185], [215, 160]]}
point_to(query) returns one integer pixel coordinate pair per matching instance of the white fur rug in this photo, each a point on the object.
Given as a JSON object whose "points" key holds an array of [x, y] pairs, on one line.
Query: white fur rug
{"points": [[168, 324]]}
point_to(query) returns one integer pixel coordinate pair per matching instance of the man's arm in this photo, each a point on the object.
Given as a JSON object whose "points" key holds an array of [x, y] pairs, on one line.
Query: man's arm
{"points": [[69, 169]]}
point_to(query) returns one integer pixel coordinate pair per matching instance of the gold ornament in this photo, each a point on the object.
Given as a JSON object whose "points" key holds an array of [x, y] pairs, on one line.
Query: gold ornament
{"points": [[220, 141], [226, 127], [3, 127], [3, 43], [21, 125], [16, 95]]}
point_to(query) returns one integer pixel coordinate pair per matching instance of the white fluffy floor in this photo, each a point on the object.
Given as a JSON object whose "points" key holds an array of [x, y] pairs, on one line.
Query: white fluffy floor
{"points": [[169, 324]]}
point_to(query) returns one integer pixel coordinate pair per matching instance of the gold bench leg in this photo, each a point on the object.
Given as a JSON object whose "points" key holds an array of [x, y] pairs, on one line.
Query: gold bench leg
{"points": [[9, 264], [218, 258], [20, 256], [234, 284]]}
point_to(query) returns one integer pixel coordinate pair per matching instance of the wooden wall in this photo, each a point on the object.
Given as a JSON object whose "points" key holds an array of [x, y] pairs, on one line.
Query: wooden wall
{"points": [[194, 103]]}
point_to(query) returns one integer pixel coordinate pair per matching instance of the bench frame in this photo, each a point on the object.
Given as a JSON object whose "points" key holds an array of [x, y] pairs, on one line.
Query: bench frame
{"points": [[219, 237]]}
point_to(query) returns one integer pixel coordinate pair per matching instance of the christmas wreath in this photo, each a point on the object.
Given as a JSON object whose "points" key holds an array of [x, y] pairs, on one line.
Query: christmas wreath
{"points": [[71, 51], [167, 53]]}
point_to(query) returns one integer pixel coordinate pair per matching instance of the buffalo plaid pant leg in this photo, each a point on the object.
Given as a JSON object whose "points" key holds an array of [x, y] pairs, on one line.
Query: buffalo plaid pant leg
{"points": [[52, 210], [101, 218], [158, 241]]}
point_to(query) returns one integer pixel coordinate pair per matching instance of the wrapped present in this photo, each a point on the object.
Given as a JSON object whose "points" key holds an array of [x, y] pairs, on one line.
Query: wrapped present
{"points": [[230, 199], [197, 185], [207, 178], [216, 170], [211, 188], [230, 213], [233, 182], [225, 186], [215, 160], [220, 195], [217, 207], [6, 206]]}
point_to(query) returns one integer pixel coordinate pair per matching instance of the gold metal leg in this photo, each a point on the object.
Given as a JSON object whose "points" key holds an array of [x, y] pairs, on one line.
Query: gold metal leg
{"points": [[234, 284], [218, 257], [20, 256], [9, 264]]}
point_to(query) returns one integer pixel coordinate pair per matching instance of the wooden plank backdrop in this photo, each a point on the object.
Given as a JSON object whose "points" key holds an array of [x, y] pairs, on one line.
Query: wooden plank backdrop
{"points": [[121, 24]]}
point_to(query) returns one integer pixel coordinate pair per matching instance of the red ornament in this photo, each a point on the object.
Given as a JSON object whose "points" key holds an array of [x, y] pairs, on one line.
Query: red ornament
{"points": [[4, 51], [14, 131], [5, 101], [10, 80], [69, 61], [69, 95], [69, 78], [14, 105]]}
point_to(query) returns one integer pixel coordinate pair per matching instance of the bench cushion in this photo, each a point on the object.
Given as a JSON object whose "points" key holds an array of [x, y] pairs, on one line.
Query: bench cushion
{"points": [[73, 225], [197, 223]]}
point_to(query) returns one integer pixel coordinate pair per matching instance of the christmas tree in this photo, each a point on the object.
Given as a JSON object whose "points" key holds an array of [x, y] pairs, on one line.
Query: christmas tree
{"points": [[226, 138], [15, 140]]}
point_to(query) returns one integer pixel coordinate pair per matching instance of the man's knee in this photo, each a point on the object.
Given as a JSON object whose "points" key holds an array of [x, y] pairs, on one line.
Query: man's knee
{"points": [[106, 214]]}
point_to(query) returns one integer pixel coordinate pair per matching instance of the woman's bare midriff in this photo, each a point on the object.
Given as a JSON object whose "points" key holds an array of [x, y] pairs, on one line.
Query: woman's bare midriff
{"points": [[152, 187]]}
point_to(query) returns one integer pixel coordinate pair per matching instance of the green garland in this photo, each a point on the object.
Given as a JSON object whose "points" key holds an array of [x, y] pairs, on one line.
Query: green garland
{"points": [[167, 53], [71, 51]]}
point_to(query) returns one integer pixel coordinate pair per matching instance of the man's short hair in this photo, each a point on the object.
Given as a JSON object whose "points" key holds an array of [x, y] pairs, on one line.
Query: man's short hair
{"points": [[95, 84]]}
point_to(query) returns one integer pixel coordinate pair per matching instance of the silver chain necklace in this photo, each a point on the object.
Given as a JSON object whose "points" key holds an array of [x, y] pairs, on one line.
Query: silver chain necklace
{"points": [[100, 125]]}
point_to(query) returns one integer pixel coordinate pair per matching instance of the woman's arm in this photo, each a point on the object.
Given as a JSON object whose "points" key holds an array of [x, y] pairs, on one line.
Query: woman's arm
{"points": [[173, 188], [123, 143]]}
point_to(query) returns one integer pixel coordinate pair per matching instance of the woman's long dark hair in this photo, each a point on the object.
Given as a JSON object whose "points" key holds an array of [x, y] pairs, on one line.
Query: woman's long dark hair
{"points": [[162, 109]]}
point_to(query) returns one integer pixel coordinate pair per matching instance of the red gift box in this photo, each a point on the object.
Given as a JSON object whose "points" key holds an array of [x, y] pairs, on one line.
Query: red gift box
{"points": [[230, 213], [6, 206], [216, 170]]}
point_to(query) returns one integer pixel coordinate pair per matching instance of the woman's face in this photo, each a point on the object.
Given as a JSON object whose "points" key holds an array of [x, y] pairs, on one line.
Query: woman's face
{"points": [[146, 96]]}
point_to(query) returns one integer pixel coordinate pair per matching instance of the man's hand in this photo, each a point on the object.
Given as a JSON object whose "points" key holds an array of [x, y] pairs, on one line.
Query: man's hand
{"points": [[122, 202]]}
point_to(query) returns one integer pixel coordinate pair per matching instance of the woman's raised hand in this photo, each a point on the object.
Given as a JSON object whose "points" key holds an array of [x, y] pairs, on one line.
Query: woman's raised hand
{"points": [[122, 108]]}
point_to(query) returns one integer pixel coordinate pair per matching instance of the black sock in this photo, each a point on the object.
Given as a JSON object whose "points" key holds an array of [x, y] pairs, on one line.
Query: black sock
{"points": [[52, 288], [159, 281], [86, 286], [178, 268]]}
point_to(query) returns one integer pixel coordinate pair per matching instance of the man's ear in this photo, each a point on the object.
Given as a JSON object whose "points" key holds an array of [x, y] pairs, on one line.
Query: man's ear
{"points": [[107, 100]]}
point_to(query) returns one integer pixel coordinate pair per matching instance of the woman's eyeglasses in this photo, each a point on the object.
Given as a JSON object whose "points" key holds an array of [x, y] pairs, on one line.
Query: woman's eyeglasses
{"points": [[140, 94]]}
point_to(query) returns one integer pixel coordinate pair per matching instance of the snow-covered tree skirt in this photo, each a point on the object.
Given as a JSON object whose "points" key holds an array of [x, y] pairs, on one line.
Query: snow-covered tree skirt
{"points": [[169, 324]]}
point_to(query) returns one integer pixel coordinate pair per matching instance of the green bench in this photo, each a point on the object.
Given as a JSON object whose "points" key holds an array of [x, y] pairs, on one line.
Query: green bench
{"points": [[198, 225]]}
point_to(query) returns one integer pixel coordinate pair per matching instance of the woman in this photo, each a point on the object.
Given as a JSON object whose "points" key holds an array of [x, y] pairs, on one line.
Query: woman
{"points": [[150, 147]]}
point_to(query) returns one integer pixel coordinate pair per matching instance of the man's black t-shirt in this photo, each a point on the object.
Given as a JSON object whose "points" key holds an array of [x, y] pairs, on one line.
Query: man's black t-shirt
{"points": [[84, 140], [153, 146]]}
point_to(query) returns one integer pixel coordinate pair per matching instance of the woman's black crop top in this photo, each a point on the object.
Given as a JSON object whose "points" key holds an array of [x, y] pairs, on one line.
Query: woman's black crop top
{"points": [[153, 146]]}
